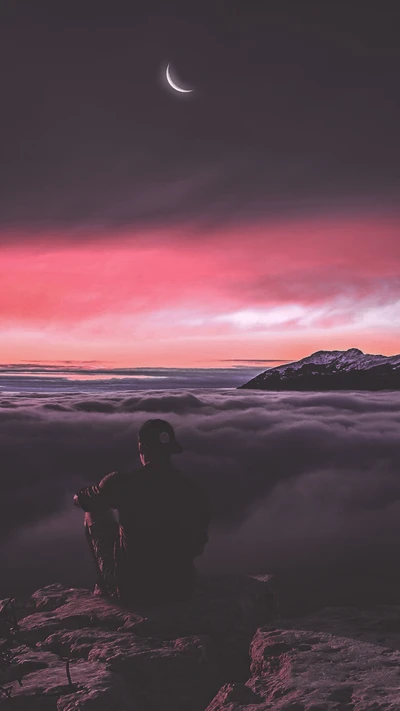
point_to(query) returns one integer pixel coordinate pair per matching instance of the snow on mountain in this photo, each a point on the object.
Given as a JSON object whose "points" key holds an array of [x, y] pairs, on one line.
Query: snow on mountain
{"points": [[325, 370]]}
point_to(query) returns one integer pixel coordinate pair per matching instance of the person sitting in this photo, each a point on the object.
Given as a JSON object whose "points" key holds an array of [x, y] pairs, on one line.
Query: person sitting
{"points": [[147, 557]]}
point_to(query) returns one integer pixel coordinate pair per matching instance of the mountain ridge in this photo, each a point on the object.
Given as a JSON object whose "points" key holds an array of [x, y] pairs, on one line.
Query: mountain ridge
{"points": [[332, 370]]}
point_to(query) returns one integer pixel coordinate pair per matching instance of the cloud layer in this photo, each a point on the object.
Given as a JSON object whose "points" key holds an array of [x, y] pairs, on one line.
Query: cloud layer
{"points": [[178, 299], [302, 484], [97, 378]]}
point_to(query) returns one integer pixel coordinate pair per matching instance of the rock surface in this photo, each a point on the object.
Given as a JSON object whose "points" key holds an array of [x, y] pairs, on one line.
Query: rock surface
{"points": [[150, 659], [340, 659], [74, 650]]}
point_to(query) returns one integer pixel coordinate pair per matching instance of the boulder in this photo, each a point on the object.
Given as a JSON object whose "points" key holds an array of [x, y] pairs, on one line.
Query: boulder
{"points": [[45, 686], [227, 608], [379, 624], [181, 673], [336, 660], [173, 656]]}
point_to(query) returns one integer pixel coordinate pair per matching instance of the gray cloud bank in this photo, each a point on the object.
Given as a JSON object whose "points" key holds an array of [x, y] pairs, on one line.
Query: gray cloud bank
{"points": [[306, 486], [70, 377]]}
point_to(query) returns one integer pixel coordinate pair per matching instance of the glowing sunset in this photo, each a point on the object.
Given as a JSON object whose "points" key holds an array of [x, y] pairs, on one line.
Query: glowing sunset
{"points": [[187, 298], [199, 355]]}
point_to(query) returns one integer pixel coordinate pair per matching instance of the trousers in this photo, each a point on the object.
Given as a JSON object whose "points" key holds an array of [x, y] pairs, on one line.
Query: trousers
{"points": [[151, 586], [102, 530]]}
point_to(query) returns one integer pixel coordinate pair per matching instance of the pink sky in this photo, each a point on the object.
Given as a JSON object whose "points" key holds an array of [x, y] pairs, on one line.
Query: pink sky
{"points": [[181, 298]]}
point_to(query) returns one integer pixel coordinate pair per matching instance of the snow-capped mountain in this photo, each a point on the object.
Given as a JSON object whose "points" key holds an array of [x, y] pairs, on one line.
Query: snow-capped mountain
{"points": [[332, 370]]}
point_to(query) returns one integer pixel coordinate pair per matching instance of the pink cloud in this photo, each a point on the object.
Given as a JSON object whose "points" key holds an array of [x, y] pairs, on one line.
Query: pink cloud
{"points": [[170, 296]]}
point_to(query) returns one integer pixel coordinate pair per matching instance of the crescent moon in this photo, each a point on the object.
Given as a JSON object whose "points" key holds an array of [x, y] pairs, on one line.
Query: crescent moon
{"points": [[174, 85]]}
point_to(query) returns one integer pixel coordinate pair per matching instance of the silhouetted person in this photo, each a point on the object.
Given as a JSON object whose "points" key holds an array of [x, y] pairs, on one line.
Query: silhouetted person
{"points": [[147, 557]]}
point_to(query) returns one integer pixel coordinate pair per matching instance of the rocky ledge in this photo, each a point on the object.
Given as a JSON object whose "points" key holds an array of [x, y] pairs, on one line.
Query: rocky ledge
{"points": [[341, 659], [66, 649], [227, 649]]}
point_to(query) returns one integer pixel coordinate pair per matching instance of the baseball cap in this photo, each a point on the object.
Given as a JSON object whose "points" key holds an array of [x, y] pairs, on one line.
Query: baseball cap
{"points": [[159, 435]]}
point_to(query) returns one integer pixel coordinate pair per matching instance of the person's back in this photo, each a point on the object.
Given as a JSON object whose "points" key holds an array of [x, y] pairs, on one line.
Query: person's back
{"points": [[163, 522]]}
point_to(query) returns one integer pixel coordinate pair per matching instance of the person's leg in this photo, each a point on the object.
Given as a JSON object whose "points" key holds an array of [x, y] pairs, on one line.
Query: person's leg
{"points": [[101, 531]]}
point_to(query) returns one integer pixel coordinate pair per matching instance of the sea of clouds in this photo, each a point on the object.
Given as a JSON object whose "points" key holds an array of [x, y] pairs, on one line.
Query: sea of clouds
{"points": [[304, 485]]}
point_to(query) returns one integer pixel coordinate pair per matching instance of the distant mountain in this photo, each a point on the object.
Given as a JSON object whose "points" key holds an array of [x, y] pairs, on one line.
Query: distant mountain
{"points": [[332, 370]]}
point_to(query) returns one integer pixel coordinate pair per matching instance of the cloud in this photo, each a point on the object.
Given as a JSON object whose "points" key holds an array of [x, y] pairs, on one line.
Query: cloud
{"points": [[175, 298], [298, 481], [77, 378]]}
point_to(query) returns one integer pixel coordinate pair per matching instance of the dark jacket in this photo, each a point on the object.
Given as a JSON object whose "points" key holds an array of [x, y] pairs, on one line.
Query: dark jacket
{"points": [[163, 522]]}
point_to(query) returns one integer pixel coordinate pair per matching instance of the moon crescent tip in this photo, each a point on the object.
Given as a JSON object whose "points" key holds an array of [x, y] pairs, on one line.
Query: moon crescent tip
{"points": [[173, 84]]}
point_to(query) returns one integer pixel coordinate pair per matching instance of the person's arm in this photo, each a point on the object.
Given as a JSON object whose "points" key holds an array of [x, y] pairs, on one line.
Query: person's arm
{"points": [[101, 496]]}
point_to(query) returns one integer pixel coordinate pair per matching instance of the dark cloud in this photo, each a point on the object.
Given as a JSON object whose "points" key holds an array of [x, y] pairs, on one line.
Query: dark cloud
{"points": [[294, 112], [31, 377], [80, 370], [303, 485], [251, 360]]}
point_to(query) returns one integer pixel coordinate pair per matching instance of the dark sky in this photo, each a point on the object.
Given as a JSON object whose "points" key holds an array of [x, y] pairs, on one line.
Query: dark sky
{"points": [[296, 109]]}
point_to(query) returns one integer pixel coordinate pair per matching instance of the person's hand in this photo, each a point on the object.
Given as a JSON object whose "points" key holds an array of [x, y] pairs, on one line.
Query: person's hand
{"points": [[76, 501]]}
